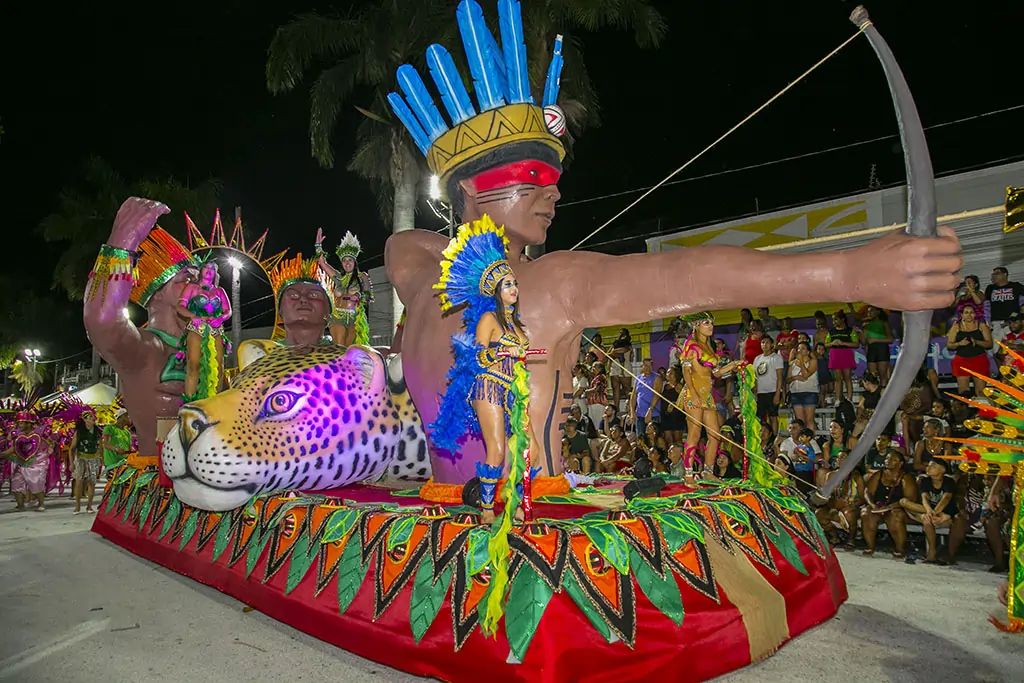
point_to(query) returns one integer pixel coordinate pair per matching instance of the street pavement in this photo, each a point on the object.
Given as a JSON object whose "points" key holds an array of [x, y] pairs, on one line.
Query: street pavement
{"points": [[78, 609]]}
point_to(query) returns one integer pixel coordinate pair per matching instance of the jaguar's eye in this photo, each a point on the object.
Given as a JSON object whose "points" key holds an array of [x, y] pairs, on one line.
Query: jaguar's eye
{"points": [[279, 403]]}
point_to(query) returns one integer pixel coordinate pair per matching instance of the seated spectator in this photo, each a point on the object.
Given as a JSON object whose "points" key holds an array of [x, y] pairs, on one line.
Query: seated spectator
{"points": [[617, 453], [940, 413], [883, 491], [839, 440], [583, 422], [937, 509], [998, 510], [867, 402], [576, 447], [651, 444], [788, 441], [597, 393], [724, 469], [930, 446], [676, 468], [875, 459], [843, 508]]}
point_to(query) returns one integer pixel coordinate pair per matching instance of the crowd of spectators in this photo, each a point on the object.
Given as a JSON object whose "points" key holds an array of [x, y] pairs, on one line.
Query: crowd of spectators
{"points": [[617, 424]]}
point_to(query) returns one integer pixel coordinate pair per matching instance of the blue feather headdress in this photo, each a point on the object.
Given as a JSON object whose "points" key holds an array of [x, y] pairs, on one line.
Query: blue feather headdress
{"points": [[475, 262], [507, 111]]}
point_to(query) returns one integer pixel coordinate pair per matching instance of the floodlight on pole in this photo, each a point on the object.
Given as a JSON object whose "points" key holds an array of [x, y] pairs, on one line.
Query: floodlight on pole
{"points": [[28, 353], [36, 353], [434, 189], [126, 313], [235, 262]]}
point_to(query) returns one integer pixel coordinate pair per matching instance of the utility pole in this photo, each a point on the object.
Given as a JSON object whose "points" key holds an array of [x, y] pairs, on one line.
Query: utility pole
{"points": [[236, 298]]}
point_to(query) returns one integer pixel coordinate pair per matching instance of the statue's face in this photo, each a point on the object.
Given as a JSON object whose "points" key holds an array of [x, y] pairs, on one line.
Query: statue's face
{"points": [[521, 196], [304, 302], [170, 293]]}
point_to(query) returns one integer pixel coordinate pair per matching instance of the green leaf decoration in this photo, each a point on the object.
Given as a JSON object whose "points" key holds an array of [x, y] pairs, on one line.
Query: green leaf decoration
{"points": [[563, 500], [191, 524], [173, 509], [731, 509], [339, 525], [111, 501], [144, 479], [788, 502], [678, 528], [609, 541], [407, 493], [256, 545], [427, 597], [642, 505], [589, 489], [223, 538], [572, 587], [303, 555], [477, 553], [786, 547], [811, 520], [351, 573], [459, 509], [527, 599], [124, 476], [662, 592], [147, 505], [400, 532], [131, 504]]}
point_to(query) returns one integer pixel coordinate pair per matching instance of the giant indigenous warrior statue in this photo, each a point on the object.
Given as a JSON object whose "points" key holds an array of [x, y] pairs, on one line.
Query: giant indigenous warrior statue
{"points": [[303, 304], [149, 267], [505, 161]]}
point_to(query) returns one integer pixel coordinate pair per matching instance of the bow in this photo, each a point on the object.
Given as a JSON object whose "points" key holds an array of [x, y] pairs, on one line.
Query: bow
{"points": [[921, 223]]}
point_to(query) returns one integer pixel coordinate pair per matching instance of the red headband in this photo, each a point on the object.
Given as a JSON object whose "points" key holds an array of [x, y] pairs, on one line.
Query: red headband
{"points": [[529, 172]]}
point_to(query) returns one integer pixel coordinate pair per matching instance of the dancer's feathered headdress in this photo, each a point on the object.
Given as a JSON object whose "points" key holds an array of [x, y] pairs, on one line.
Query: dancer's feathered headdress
{"points": [[475, 261], [161, 257], [291, 271], [508, 115], [349, 246]]}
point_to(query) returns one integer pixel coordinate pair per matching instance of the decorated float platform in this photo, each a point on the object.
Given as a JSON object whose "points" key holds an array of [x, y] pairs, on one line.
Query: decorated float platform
{"points": [[686, 587]]}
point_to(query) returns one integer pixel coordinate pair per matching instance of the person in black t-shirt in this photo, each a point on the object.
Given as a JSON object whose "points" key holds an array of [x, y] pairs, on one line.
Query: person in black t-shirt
{"points": [[1003, 298], [583, 422], [938, 508], [875, 459]]}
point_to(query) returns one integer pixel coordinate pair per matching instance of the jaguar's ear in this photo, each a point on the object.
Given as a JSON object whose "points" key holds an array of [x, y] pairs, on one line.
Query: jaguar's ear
{"points": [[370, 365]]}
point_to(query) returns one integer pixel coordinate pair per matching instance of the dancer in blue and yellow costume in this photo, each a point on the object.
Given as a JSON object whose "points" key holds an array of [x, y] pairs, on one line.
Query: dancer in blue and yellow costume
{"points": [[352, 290], [488, 385]]}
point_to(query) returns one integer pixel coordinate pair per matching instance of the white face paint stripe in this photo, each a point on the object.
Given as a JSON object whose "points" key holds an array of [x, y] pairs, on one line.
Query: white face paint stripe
{"points": [[18, 662]]}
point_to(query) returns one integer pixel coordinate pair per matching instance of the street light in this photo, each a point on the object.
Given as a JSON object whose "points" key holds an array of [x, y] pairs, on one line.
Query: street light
{"points": [[234, 262], [126, 313], [28, 353], [435, 187], [36, 353]]}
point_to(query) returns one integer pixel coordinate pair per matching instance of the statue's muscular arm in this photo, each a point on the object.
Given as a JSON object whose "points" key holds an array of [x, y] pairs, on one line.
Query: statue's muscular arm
{"points": [[113, 335], [411, 261], [896, 271]]}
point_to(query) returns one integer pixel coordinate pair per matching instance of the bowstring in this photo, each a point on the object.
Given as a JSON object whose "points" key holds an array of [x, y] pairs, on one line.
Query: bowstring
{"points": [[723, 136]]}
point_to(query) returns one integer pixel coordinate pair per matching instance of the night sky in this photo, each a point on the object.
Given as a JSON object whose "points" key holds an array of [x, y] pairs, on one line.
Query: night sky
{"points": [[181, 90]]}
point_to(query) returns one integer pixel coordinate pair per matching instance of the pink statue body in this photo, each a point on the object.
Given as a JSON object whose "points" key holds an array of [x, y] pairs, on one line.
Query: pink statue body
{"points": [[143, 358]]}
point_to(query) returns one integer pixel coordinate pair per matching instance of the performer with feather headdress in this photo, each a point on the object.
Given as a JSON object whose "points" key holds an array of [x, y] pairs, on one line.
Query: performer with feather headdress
{"points": [[353, 292], [488, 386]]}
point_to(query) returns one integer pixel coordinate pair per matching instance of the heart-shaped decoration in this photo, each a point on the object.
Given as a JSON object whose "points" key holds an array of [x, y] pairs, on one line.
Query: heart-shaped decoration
{"points": [[25, 447]]}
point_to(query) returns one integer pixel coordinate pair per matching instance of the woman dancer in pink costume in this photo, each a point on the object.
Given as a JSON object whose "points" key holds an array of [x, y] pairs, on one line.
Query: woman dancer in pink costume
{"points": [[29, 449]]}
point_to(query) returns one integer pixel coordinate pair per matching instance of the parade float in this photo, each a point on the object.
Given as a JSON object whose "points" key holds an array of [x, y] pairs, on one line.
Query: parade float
{"points": [[289, 488]]}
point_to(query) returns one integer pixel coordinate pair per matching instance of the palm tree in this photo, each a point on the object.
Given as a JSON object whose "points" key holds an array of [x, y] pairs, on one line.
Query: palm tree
{"points": [[355, 57], [86, 210]]}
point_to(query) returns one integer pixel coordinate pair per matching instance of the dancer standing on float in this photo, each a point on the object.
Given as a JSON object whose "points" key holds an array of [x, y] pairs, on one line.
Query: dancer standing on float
{"points": [[485, 383], [505, 162], [353, 292], [206, 306], [700, 368]]}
